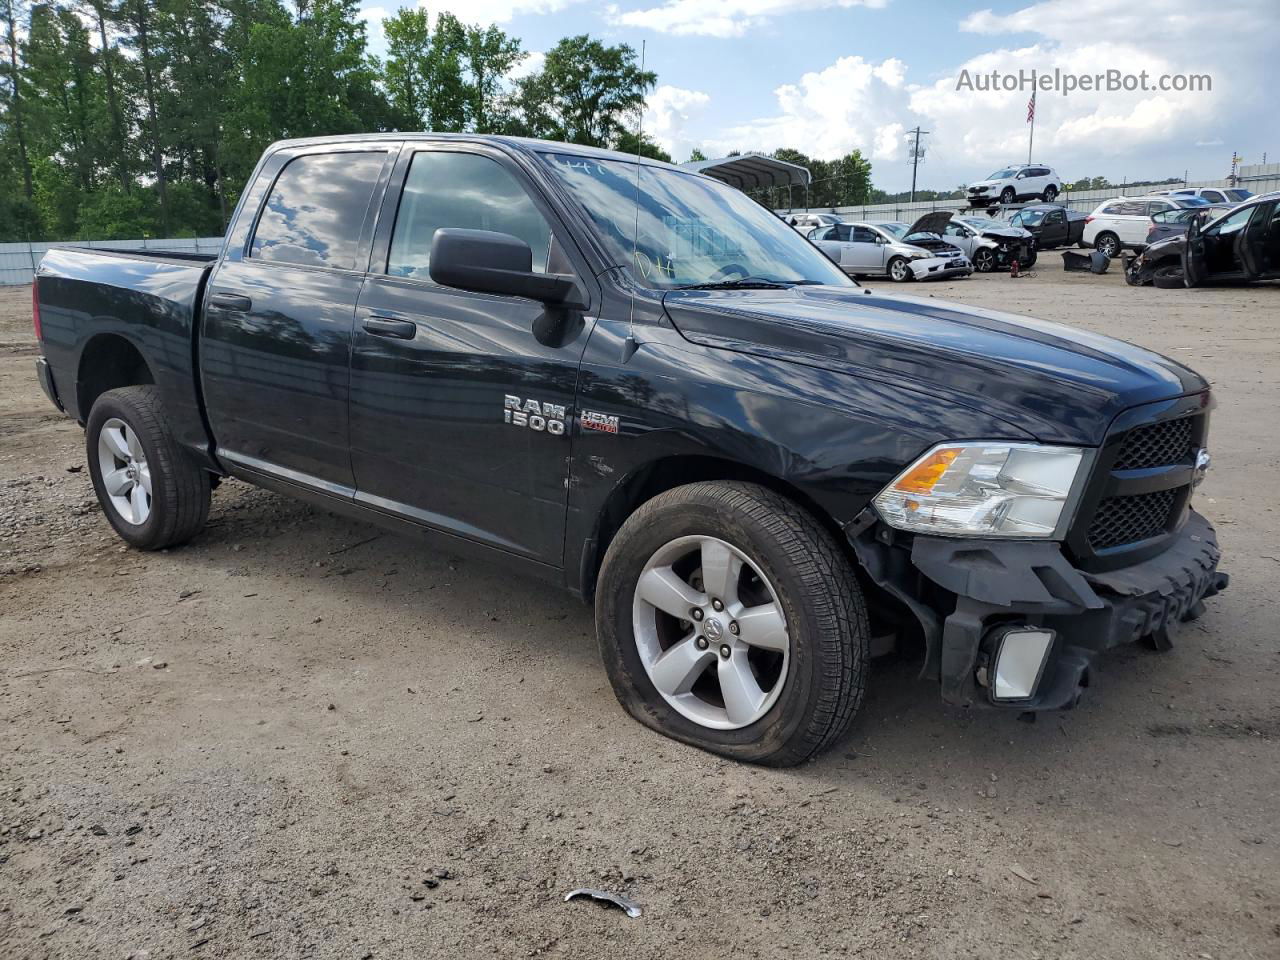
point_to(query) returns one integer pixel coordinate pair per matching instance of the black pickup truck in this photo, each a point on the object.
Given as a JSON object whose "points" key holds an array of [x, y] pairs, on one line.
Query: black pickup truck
{"points": [[638, 384]]}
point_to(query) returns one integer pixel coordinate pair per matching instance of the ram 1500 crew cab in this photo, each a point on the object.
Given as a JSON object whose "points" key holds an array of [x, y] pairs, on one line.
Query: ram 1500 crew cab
{"points": [[635, 382]]}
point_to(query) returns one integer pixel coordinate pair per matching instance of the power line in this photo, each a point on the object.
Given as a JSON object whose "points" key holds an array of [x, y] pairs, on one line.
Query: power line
{"points": [[915, 154]]}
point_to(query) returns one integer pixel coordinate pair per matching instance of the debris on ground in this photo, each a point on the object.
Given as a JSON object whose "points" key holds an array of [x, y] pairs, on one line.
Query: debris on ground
{"points": [[604, 896]]}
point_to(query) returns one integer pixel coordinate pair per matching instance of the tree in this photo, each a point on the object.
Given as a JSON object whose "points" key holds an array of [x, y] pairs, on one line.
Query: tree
{"points": [[583, 93], [138, 15], [628, 143], [15, 116], [696, 155]]}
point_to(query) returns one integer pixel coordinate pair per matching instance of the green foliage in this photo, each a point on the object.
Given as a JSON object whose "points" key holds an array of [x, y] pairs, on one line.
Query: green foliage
{"points": [[836, 183], [628, 143], [584, 93], [111, 214], [697, 155]]}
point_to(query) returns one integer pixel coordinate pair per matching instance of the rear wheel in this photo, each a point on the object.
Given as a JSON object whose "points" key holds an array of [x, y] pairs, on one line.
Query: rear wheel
{"points": [[150, 491], [1050, 193], [1108, 243], [729, 619], [898, 270]]}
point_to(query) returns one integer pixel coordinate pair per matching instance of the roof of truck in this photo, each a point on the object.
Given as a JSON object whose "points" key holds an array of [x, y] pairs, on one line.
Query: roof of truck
{"points": [[519, 144]]}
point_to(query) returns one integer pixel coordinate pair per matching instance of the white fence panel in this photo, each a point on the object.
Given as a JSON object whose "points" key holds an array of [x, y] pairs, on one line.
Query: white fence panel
{"points": [[18, 261]]}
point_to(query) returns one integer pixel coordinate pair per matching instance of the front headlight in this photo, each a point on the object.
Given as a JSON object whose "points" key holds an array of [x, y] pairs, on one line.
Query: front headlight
{"points": [[985, 490]]}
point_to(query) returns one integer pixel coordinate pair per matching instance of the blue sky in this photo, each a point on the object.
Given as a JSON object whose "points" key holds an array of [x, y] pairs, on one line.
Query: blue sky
{"points": [[826, 76]]}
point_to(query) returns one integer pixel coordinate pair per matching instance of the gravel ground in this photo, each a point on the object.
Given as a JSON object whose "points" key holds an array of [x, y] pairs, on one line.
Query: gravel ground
{"points": [[299, 737]]}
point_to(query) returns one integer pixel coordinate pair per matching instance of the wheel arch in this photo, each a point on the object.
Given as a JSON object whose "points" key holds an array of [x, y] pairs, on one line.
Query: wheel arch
{"points": [[108, 361], [666, 473]]}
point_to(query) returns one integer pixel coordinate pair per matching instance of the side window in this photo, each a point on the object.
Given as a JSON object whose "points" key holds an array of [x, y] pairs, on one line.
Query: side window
{"points": [[1113, 209], [1056, 216], [1213, 196], [1233, 223], [953, 229], [863, 235], [444, 189], [316, 208]]}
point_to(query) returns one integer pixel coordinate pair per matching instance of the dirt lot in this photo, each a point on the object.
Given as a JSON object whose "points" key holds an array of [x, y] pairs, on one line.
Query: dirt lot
{"points": [[298, 737]]}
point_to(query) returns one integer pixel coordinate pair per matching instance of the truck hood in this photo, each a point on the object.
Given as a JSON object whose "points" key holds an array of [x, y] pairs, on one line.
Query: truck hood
{"points": [[1055, 383]]}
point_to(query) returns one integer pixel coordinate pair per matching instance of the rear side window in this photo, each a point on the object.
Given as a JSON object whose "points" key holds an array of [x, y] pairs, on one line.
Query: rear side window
{"points": [[1213, 196], [1113, 209], [316, 209], [466, 190]]}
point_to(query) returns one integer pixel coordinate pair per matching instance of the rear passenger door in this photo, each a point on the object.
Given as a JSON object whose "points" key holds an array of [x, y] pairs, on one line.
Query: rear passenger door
{"points": [[460, 416], [275, 350]]}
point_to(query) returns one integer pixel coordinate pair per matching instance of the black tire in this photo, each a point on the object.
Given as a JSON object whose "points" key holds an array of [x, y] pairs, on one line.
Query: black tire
{"points": [[1169, 277], [815, 585], [1050, 193], [180, 490], [893, 264], [1108, 243], [984, 260], [1007, 195]]}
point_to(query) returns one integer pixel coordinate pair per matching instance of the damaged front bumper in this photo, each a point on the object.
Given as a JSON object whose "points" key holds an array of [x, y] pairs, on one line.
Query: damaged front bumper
{"points": [[940, 268], [971, 595]]}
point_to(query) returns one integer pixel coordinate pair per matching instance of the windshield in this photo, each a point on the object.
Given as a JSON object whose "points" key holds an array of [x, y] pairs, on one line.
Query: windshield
{"points": [[1029, 218], [984, 223], [1237, 195], [1003, 174], [691, 230], [897, 229], [1193, 201]]}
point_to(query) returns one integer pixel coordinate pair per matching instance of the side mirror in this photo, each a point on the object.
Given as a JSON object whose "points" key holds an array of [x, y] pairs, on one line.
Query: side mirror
{"points": [[488, 262]]}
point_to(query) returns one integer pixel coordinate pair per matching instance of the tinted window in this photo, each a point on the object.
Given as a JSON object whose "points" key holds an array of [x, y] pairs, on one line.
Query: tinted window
{"points": [[1113, 209], [1232, 223], [1213, 196], [316, 209], [461, 190], [1237, 195], [863, 235]]}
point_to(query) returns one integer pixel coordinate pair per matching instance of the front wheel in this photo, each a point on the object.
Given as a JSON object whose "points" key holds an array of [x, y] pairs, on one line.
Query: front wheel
{"points": [[984, 260], [1169, 277], [1007, 195], [1050, 194], [729, 619], [899, 271], [150, 490]]}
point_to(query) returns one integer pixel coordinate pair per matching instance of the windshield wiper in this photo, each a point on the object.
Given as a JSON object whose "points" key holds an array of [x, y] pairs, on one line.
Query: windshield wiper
{"points": [[742, 283]]}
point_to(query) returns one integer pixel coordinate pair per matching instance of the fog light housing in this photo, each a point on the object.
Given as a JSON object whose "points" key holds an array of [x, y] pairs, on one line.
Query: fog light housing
{"points": [[1020, 658]]}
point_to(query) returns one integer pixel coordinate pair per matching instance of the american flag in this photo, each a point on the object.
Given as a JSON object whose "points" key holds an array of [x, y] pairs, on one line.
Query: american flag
{"points": [[1031, 108]]}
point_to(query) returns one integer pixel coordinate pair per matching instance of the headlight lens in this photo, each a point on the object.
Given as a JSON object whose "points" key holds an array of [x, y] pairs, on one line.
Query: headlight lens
{"points": [[983, 490]]}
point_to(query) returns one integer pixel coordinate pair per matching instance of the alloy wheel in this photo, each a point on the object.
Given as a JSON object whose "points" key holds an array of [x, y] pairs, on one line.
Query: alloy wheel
{"points": [[126, 475], [711, 632]]}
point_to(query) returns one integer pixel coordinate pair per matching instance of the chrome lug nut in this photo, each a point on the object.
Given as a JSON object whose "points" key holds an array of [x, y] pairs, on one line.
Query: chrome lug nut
{"points": [[695, 613], [725, 651], [717, 605], [700, 643], [733, 627]]}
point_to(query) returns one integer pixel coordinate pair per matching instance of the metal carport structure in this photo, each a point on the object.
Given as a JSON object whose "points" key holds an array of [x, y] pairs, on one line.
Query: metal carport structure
{"points": [[752, 171]]}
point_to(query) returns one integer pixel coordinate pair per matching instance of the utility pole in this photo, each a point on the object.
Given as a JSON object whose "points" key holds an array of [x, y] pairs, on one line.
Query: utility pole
{"points": [[916, 154]]}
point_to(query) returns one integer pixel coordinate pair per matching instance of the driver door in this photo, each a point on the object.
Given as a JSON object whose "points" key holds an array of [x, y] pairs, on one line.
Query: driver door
{"points": [[459, 415], [961, 236], [866, 250], [1256, 248]]}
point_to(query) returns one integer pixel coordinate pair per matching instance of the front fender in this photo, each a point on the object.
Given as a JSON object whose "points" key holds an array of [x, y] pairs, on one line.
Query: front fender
{"points": [[834, 438]]}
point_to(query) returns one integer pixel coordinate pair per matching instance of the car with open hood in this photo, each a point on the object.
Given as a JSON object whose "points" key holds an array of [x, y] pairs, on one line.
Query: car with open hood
{"points": [[635, 383], [875, 249], [991, 244]]}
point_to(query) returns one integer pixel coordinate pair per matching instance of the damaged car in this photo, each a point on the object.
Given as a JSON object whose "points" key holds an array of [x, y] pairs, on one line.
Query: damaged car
{"points": [[1052, 224], [864, 249], [1006, 244], [1241, 245]]}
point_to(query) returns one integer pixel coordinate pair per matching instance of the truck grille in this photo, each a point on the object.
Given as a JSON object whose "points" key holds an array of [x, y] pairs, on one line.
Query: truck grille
{"points": [[1121, 520], [1156, 445]]}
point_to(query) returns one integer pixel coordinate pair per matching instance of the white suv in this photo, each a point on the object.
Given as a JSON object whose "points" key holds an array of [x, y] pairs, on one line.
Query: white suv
{"points": [[1023, 181], [1123, 222]]}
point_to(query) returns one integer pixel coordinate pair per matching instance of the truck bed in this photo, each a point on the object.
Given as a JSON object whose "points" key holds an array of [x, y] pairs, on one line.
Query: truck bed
{"points": [[102, 307]]}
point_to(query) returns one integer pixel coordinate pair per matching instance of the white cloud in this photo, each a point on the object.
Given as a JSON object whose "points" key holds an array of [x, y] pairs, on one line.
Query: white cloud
{"points": [[721, 18], [668, 112], [531, 64], [485, 12], [1216, 142], [854, 103], [373, 17]]}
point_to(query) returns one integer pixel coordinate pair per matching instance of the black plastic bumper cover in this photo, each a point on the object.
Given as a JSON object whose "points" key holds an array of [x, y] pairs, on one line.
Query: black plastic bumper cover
{"points": [[45, 375], [1003, 581]]}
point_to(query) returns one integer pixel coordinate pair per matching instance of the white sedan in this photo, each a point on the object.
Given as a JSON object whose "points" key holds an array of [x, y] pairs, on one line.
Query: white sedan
{"points": [[864, 249]]}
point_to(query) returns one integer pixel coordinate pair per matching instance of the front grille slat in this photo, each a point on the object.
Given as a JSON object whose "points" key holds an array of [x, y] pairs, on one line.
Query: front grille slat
{"points": [[1156, 445], [1121, 520]]}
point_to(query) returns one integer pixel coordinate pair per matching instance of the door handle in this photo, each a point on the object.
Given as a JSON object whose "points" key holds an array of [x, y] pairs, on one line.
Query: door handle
{"points": [[231, 301], [385, 327]]}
